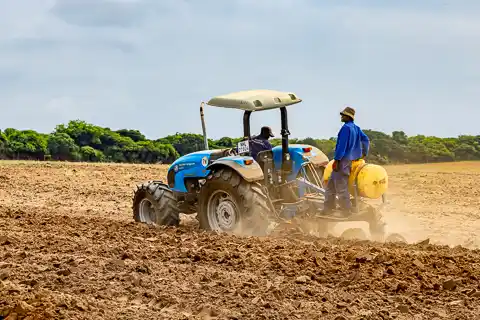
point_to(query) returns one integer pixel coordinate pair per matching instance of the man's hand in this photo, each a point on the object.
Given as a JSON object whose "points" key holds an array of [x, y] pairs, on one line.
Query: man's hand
{"points": [[335, 165]]}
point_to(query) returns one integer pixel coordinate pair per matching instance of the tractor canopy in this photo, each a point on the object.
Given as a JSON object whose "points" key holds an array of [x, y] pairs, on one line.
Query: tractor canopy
{"points": [[255, 100]]}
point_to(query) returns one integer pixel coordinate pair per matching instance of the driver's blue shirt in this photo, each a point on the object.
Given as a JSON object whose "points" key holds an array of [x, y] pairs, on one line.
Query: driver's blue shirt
{"points": [[258, 144]]}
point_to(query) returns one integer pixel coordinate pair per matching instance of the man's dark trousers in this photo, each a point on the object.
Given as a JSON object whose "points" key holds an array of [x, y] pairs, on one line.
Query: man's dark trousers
{"points": [[338, 185]]}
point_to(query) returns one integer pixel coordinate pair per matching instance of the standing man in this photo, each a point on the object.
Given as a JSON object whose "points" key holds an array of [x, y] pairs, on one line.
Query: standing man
{"points": [[352, 144], [260, 142]]}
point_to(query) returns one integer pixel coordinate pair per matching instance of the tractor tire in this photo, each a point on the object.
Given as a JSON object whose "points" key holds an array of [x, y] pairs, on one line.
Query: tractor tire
{"points": [[154, 203], [242, 206]]}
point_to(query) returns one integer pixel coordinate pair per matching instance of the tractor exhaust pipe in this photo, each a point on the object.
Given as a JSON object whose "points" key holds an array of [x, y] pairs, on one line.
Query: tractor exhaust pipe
{"points": [[204, 129]]}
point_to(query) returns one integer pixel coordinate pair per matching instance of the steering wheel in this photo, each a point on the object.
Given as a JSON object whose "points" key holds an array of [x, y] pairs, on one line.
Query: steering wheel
{"points": [[230, 152]]}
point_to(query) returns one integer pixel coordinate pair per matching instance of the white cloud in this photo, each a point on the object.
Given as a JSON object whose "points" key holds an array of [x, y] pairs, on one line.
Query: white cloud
{"points": [[145, 64]]}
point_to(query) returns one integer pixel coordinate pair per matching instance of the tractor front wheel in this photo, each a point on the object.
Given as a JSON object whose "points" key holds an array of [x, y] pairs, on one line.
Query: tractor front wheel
{"points": [[155, 203], [228, 203]]}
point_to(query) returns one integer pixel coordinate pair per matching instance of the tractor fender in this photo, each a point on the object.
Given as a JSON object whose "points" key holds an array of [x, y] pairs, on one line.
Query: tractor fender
{"points": [[250, 173], [318, 159]]}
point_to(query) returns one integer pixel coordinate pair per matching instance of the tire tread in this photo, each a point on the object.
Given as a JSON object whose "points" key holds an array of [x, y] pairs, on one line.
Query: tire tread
{"points": [[164, 202]]}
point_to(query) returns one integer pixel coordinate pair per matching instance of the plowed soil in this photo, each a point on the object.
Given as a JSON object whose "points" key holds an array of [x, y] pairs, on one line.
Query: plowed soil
{"points": [[69, 249]]}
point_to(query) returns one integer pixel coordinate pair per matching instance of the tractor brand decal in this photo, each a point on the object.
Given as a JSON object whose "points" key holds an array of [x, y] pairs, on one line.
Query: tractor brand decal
{"points": [[175, 168], [183, 166], [204, 161]]}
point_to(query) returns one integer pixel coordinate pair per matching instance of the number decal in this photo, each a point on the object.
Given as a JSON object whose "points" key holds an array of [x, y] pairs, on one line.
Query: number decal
{"points": [[243, 147]]}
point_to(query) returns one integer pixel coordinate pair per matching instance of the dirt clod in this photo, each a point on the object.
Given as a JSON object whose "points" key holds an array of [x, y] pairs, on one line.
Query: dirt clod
{"points": [[4, 240], [364, 258], [22, 308], [302, 279], [450, 284], [418, 264], [64, 272], [3, 275], [403, 308]]}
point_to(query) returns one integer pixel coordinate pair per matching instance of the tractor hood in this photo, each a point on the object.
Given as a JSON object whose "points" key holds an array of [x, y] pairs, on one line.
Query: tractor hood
{"points": [[195, 159]]}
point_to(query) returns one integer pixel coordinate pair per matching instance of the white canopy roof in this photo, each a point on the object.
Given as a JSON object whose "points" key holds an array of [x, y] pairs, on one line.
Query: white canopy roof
{"points": [[255, 100]]}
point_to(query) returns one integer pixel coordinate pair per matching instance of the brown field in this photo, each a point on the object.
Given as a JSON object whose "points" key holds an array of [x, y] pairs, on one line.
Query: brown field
{"points": [[69, 249]]}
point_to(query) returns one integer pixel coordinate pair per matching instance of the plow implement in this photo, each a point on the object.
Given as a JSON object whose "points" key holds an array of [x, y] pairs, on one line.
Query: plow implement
{"points": [[305, 215]]}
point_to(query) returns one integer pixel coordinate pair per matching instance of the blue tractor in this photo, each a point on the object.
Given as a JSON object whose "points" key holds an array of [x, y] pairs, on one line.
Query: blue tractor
{"points": [[232, 192]]}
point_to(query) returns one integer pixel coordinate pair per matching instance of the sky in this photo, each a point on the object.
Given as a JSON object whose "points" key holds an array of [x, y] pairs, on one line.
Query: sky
{"points": [[147, 64]]}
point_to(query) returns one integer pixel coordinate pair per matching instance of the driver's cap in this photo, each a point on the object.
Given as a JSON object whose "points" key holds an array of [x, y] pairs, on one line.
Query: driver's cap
{"points": [[268, 130]]}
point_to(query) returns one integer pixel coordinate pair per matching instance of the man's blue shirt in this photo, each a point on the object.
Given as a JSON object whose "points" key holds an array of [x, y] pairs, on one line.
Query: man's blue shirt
{"points": [[352, 142], [258, 144]]}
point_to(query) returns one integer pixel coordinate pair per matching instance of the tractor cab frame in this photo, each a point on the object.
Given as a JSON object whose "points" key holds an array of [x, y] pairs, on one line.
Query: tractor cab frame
{"points": [[253, 101]]}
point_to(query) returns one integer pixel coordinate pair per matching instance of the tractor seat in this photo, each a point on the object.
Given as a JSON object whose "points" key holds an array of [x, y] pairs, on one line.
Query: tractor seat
{"points": [[264, 156]]}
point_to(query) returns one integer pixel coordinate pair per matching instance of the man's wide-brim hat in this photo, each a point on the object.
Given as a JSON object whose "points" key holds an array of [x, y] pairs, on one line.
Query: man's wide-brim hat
{"points": [[348, 111]]}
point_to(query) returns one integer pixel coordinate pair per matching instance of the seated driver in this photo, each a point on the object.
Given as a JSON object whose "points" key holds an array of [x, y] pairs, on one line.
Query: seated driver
{"points": [[260, 142]]}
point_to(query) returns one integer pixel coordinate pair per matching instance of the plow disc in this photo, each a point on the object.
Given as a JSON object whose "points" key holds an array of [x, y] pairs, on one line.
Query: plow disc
{"points": [[317, 225], [300, 227], [354, 234]]}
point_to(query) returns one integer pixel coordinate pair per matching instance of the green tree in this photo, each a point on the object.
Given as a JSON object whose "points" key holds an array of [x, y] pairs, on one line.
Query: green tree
{"points": [[465, 151], [185, 143], [400, 137], [432, 149], [62, 147], [90, 154], [25, 144], [309, 141], [3, 145], [79, 140], [84, 134], [225, 142], [135, 135]]}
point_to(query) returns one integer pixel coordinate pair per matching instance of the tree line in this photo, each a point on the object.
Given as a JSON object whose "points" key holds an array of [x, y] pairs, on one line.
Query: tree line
{"points": [[82, 141]]}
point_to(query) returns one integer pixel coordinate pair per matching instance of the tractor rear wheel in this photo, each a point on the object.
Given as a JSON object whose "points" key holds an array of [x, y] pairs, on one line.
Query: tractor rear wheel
{"points": [[155, 203], [228, 203]]}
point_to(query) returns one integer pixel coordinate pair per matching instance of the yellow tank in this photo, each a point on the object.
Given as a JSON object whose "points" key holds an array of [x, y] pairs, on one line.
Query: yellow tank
{"points": [[372, 179]]}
